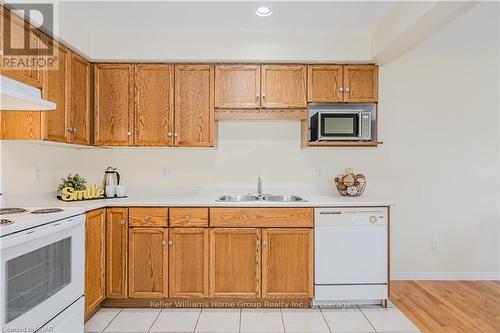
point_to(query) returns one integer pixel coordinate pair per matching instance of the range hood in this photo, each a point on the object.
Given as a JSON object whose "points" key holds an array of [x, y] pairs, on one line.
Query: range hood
{"points": [[18, 96]]}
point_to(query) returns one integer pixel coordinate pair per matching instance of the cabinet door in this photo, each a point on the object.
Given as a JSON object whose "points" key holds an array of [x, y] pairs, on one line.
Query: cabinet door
{"points": [[55, 90], [324, 84], [284, 86], [79, 100], [113, 104], [237, 86], [360, 83], [194, 106], [287, 263], [20, 125], [188, 260], [19, 32], [154, 99], [95, 260], [235, 262], [116, 253], [148, 263]]}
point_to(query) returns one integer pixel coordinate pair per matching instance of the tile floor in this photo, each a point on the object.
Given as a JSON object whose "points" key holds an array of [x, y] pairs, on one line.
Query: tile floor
{"points": [[354, 320]]}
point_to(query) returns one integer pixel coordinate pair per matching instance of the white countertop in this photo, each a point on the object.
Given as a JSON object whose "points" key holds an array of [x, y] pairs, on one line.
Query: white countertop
{"points": [[199, 198]]}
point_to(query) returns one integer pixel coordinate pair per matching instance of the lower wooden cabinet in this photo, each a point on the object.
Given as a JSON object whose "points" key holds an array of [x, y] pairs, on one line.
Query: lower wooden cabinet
{"points": [[148, 262], [95, 265], [235, 267], [287, 263], [188, 262], [116, 254]]}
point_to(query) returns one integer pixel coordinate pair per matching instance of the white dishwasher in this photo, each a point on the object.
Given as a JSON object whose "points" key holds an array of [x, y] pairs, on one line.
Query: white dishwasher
{"points": [[351, 256]]}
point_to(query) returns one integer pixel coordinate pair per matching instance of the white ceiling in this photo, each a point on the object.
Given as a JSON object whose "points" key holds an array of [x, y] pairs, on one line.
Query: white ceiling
{"points": [[190, 16]]}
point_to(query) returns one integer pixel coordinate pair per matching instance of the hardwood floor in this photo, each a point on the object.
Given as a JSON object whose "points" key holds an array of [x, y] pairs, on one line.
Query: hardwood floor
{"points": [[449, 306]]}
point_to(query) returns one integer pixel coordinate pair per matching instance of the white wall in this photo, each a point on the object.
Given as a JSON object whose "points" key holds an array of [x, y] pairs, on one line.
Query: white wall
{"points": [[439, 120]]}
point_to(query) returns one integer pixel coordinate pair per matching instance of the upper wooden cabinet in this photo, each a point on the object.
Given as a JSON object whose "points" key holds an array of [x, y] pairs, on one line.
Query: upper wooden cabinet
{"points": [[154, 98], [113, 104], [360, 83], [79, 100], [284, 86], [237, 86], [116, 252], [148, 263], [20, 33], [56, 90], [95, 260], [325, 83], [342, 83], [194, 106]]}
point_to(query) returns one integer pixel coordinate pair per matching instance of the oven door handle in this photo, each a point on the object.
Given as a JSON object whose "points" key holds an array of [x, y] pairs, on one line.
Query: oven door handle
{"points": [[39, 232]]}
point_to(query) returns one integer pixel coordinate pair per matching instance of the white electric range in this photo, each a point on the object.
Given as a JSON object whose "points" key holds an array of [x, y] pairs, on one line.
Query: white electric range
{"points": [[42, 274]]}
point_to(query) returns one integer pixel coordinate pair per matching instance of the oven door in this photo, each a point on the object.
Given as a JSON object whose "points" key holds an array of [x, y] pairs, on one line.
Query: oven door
{"points": [[339, 126], [42, 273]]}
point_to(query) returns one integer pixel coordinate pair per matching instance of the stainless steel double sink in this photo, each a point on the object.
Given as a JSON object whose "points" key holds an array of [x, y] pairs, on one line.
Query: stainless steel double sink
{"points": [[260, 197]]}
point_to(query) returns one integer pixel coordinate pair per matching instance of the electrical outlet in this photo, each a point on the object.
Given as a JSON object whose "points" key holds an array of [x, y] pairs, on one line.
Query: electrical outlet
{"points": [[435, 245], [167, 172], [35, 173]]}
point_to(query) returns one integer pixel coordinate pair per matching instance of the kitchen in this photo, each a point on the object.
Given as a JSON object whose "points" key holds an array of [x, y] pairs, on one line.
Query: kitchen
{"points": [[252, 143]]}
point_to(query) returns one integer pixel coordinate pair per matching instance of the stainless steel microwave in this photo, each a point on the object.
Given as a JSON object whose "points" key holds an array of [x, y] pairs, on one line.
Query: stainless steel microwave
{"points": [[342, 124]]}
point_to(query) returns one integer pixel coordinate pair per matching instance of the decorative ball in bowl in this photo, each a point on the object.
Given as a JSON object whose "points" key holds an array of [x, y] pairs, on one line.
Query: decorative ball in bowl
{"points": [[350, 184]]}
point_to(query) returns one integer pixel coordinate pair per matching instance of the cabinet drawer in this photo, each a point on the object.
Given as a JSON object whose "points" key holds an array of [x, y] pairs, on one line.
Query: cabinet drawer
{"points": [[148, 217], [188, 217], [262, 217]]}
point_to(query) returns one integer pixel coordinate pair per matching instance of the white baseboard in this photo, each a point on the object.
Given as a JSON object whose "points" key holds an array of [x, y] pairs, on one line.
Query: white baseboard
{"points": [[489, 276]]}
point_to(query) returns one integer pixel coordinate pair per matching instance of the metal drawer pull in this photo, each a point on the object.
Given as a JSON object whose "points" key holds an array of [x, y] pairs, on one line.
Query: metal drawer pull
{"points": [[170, 242], [188, 217], [330, 213], [147, 218]]}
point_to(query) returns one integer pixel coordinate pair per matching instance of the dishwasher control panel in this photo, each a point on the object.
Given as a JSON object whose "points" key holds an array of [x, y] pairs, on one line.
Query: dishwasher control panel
{"points": [[350, 216]]}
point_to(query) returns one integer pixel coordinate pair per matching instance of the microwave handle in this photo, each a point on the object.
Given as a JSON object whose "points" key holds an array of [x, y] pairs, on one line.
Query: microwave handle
{"points": [[360, 118]]}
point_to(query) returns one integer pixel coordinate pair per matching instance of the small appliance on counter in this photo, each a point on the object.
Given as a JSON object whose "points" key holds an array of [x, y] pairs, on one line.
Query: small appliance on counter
{"points": [[111, 181], [342, 122]]}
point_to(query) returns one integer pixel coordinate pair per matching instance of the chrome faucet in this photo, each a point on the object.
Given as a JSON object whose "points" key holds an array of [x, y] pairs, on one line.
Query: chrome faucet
{"points": [[259, 186]]}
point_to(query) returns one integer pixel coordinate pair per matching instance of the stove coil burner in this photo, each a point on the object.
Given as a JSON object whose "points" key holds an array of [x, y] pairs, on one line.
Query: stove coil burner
{"points": [[4, 211], [5, 222], [47, 211]]}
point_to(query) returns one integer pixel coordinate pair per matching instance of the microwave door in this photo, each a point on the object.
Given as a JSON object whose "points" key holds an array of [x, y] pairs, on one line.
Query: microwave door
{"points": [[343, 126]]}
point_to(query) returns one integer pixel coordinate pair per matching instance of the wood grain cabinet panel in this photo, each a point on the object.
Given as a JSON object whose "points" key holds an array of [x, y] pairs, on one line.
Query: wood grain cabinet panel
{"points": [[148, 263], [237, 86], [56, 90], [79, 100], [154, 98], [20, 125], [188, 217], [116, 252], [360, 83], [194, 106], [235, 262], [284, 86], [287, 263], [148, 217], [188, 262], [18, 30], [113, 89], [325, 84], [261, 217], [95, 260]]}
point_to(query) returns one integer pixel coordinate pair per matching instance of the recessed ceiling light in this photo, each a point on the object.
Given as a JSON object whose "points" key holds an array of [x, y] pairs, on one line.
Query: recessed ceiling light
{"points": [[263, 11]]}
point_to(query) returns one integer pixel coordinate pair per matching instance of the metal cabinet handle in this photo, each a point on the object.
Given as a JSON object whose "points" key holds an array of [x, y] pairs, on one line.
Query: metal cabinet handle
{"points": [[188, 217], [264, 242], [258, 242], [341, 89], [129, 133], [164, 242], [169, 134], [123, 222], [170, 242], [147, 218], [346, 89], [176, 134]]}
